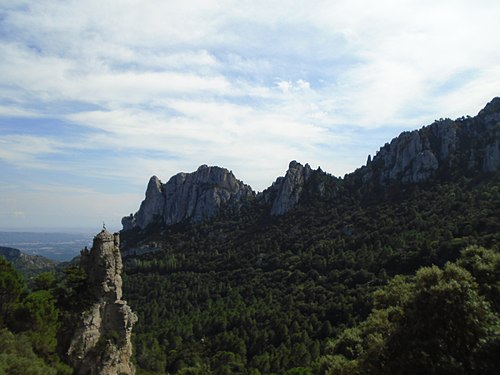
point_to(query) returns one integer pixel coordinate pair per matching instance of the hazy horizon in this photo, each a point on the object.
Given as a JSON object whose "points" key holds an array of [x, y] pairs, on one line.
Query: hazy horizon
{"points": [[56, 230]]}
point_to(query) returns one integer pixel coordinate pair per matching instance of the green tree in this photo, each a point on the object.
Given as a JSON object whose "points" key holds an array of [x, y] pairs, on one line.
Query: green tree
{"points": [[484, 265], [150, 355], [435, 323], [299, 371], [17, 356], [44, 281], [445, 325], [37, 316], [11, 287]]}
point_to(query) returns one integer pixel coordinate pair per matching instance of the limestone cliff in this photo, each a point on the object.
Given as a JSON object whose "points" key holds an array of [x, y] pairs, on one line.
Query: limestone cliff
{"points": [[101, 343], [153, 205], [285, 192], [192, 196], [467, 145]]}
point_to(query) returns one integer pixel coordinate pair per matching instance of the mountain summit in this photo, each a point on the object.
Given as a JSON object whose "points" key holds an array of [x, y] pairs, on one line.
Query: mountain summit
{"points": [[464, 146], [192, 196]]}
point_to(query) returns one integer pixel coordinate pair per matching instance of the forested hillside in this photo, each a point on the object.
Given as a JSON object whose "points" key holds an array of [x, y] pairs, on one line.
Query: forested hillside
{"points": [[30, 322], [253, 293], [375, 272], [29, 265]]}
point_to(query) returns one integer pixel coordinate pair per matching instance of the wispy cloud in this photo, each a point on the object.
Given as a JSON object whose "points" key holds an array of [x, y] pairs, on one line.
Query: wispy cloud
{"points": [[23, 151], [155, 87]]}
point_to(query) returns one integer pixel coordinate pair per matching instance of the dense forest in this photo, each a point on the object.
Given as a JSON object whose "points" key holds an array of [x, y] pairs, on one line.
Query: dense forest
{"points": [[31, 321], [304, 293]]}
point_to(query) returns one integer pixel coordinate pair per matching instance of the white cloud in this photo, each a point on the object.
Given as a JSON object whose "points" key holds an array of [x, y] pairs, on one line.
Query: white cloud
{"points": [[208, 132], [166, 86], [23, 150], [51, 78], [16, 111], [287, 86], [105, 54]]}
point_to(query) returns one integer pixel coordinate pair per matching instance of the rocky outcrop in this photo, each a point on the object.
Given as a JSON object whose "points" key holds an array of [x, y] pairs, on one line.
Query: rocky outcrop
{"points": [[101, 343], [193, 196], [466, 145], [153, 205], [491, 116], [286, 191], [491, 161], [407, 158]]}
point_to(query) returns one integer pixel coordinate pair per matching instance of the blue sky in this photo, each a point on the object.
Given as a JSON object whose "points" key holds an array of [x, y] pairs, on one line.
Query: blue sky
{"points": [[95, 97]]}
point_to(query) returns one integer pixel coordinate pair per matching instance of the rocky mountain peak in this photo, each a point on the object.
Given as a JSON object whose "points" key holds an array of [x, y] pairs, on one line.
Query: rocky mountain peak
{"points": [[491, 108], [192, 196], [465, 145], [285, 192], [103, 266], [101, 343]]}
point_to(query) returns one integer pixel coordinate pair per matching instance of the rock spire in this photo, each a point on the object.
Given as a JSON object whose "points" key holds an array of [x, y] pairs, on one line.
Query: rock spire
{"points": [[286, 191], [101, 343]]}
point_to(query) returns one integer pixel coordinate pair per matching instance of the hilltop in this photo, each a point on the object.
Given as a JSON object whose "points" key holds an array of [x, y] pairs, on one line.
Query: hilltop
{"points": [[28, 265]]}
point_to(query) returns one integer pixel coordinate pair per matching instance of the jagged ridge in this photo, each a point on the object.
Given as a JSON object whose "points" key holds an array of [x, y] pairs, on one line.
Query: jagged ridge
{"points": [[464, 146]]}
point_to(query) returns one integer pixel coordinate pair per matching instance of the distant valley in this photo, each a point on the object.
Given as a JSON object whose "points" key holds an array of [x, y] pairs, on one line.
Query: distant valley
{"points": [[59, 247]]}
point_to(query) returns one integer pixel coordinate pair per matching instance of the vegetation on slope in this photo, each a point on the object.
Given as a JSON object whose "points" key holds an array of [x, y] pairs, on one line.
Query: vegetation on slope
{"points": [[28, 265], [254, 294], [29, 323], [441, 321]]}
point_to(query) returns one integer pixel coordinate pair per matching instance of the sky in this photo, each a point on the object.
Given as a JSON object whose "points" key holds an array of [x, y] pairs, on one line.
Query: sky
{"points": [[98, 96]]}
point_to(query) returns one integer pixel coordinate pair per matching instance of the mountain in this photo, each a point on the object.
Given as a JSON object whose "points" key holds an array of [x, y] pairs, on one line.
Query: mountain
{"points": [[188, 196], [445, 149], [27, 264], [263, 283]]}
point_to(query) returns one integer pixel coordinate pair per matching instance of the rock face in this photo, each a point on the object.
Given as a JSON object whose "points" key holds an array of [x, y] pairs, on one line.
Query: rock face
{"points": [[285, 192], [491, 117], [152, 206], [407, 158], [460, 146], [188, 197], [101, 342]]}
